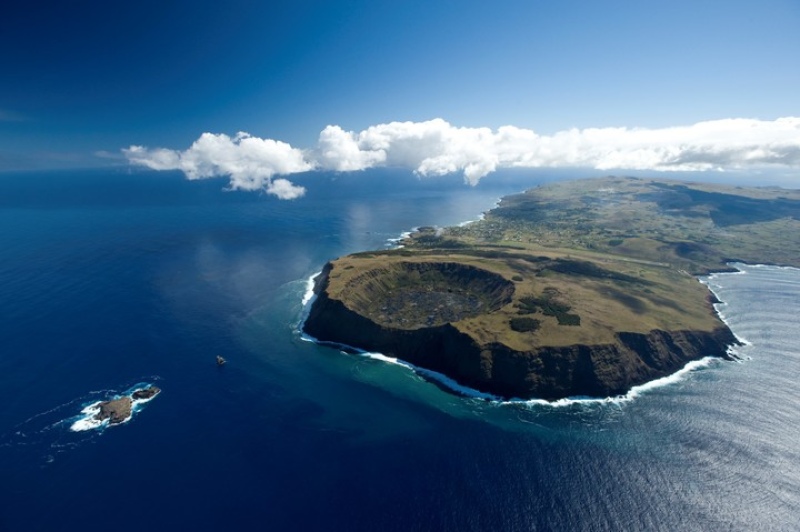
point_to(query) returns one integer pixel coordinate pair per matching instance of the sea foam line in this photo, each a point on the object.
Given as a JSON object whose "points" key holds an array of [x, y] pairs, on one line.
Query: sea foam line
{"points": [[633, 393], [310, 295], [394, 243], [426, 373], [721, 305], [472, 393], [482, 216], [775, 266], [87, 421]]}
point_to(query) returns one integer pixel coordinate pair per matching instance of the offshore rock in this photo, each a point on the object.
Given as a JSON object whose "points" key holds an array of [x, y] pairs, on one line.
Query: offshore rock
{"points": [[145, 393], [116, 410], [119, 410]]}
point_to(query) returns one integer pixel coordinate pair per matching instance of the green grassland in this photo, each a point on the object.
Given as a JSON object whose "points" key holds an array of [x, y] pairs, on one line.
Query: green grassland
{"points": [[688, 226], [576, 262]]}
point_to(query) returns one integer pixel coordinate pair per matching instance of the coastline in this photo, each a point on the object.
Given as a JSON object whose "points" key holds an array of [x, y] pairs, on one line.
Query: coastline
{"points": [[453, 386], [461, 390], [738, 268]]}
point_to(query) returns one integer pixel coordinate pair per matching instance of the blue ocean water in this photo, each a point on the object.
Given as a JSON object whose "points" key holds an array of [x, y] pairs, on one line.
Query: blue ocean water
{"points": [[112, 279]]}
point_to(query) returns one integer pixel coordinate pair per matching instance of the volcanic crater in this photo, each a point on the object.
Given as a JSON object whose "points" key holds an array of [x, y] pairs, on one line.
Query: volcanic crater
{"points": [[413, 295]]}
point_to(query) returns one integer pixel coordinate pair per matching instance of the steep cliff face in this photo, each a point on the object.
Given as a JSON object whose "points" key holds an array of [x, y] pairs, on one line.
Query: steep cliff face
{"points": [[544, 372]]}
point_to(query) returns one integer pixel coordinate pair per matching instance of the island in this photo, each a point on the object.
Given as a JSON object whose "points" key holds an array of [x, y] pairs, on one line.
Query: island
{"points": [[119, 410], [576, 288]]}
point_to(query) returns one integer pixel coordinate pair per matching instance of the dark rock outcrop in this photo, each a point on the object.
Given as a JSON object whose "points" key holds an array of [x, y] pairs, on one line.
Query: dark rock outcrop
{"points": [[119, 410], [546, 372], [145, 393], [116, 410]]}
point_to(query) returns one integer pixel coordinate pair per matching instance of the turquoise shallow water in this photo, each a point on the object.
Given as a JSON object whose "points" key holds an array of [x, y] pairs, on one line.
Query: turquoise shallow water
{"points": [[112, 279]]}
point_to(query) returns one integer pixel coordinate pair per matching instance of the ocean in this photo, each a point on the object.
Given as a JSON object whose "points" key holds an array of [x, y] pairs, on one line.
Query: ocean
{"points": [[113, 280]]}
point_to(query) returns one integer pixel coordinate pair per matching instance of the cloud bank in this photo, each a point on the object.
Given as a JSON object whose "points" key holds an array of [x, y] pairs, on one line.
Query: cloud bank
{"points": [[436, 147], [250, 162]]}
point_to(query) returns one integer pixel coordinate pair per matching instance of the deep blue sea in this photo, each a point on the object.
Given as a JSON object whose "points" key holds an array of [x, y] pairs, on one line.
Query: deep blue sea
{"points": [[110, 279]]}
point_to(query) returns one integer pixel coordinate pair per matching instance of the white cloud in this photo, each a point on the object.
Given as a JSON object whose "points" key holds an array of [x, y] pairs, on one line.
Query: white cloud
{"points": [[430, 148], [250, 162], [436, 147], [285, 189], [339, 150]]}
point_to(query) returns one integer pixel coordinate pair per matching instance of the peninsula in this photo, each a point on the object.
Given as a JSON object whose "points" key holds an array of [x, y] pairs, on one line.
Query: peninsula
{"points": [[578, 288]]}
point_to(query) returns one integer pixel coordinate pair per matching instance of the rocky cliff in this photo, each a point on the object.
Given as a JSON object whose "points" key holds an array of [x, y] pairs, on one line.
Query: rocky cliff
{"points": [[548, 372]]}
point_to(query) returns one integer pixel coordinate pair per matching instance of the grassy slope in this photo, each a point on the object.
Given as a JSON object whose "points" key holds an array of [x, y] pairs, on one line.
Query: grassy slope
{"points": [[694, 227]]}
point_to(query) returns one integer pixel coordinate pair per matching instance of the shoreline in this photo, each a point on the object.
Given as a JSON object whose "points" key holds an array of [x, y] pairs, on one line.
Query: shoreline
{"points": [[453, 386]]}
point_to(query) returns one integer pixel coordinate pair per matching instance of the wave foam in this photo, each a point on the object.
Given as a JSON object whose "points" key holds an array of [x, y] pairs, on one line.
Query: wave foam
{"points": [[721, 305], [87, 421], [632, 394], [441, 378], [309, 295], [394, 243], [481, 217]]}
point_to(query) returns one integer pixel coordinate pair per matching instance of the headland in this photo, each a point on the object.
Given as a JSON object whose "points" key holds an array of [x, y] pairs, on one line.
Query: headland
{"points": [[578, 288]]}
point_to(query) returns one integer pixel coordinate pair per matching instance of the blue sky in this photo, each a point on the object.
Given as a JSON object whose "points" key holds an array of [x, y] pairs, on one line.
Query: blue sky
{"points": [[82, 79]]}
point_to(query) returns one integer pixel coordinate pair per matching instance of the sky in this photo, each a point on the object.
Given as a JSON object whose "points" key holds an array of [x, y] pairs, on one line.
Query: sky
{"points": [[259, 90]]}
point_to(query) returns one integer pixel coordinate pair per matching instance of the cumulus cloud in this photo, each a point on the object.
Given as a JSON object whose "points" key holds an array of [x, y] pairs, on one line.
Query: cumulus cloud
{"points": [[250, 162], [436, 147]]}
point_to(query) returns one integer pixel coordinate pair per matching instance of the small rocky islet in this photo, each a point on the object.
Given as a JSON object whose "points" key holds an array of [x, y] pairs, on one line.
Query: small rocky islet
{"points": [[119, 410], [579, 288]]}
